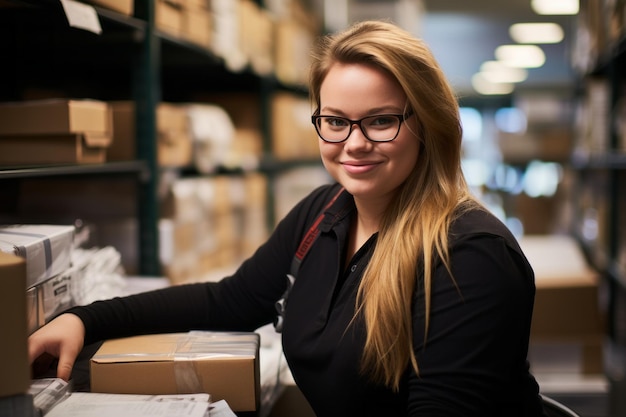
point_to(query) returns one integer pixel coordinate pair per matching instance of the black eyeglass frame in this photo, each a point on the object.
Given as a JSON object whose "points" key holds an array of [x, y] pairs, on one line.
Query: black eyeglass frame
{"points": [[401, 118]]}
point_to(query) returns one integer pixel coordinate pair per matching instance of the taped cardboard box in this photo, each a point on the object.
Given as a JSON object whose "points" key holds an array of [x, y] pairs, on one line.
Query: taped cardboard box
{"points": [[222, 364], [15, 369], [46, 248]]}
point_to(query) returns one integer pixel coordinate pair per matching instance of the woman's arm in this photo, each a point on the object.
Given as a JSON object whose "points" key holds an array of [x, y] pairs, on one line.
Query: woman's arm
{"points": [[473, 360]]}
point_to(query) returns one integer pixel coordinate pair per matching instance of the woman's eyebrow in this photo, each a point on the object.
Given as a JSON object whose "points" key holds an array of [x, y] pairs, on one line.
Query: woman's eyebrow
{"points": [[373, 111]]}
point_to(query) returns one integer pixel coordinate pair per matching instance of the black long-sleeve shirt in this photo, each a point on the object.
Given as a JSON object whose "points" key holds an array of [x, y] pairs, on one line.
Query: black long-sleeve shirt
{"points": [[473, 362]]}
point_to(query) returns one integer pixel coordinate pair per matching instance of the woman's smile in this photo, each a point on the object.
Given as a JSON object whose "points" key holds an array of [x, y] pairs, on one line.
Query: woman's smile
{"points": [[360, 167]]}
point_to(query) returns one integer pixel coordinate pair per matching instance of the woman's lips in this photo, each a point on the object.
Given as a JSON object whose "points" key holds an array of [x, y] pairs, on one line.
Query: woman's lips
{"points": [[360, 167]]}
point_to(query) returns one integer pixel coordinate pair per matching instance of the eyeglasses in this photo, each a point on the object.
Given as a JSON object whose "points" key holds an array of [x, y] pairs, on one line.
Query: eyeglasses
{"points": [[376, 128]]}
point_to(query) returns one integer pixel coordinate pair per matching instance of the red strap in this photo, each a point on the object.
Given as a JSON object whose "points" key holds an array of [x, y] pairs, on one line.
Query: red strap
{"points": [[311, 236]]}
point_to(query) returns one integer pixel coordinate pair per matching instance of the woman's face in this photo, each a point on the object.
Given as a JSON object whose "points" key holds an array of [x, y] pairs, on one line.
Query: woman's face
{"points": [[368, 170]]}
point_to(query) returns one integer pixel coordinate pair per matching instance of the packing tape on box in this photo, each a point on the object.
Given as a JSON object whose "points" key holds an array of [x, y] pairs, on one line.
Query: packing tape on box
{"points": [[187, 377], [199, 345], [194, 347], [22, 251]]}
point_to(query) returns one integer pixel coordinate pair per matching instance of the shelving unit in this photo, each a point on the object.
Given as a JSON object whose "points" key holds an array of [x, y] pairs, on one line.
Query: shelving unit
{"points": [[600, 200], [132, 59]]}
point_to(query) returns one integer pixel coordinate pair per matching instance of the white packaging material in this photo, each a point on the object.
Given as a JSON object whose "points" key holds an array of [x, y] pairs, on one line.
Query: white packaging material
{"points": [[212, 132]]}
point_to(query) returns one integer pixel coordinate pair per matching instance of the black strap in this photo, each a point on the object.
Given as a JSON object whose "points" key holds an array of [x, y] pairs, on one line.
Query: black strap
{"points": [[305, 244]]}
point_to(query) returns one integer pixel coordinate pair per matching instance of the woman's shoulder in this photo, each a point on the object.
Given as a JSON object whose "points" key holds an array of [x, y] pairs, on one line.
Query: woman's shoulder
{"points": [[475, 221], [476, 225]]}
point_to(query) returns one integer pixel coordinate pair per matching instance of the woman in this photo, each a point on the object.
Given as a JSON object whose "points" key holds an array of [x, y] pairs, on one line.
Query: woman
{"points": [[412, 301]]}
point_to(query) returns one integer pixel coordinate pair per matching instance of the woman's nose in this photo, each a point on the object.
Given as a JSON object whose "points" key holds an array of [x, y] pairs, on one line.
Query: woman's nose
{"points": [[356, 138]]}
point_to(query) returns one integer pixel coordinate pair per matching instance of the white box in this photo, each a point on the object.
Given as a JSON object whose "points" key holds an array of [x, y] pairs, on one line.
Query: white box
{"points": [[46, 248]]}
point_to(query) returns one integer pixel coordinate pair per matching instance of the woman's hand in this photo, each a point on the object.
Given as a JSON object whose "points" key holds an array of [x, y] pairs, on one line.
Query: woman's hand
{"points": [[62, 338]]}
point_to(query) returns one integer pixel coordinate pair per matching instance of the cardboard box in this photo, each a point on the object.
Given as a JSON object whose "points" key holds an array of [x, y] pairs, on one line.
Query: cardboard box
{"points": [[293, 134], [567, 309], [56, 295], [168, 16], [126, 7], [567, 297], [34, 310], [292, 43], [46, 248], [174, 144], [224, 365], [197, 26], [45, 300], [71, 148], [55, 116], [14, 349]]}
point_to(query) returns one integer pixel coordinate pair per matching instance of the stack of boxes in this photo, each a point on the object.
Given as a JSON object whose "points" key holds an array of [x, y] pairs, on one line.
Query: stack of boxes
{"points": [[211, 224], [54, 131], [50, 280], [15, 381], [274, 38]]}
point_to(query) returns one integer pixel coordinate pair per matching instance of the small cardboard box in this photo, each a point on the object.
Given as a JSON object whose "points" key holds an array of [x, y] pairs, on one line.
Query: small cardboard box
{"points": [[567, 300], [73, 148], [224, 365], [126, 7], [55, 116], [168, 15], [291, 118], [46, 248], [567, 311], [174, 143], [15, 369], [197, 26]]}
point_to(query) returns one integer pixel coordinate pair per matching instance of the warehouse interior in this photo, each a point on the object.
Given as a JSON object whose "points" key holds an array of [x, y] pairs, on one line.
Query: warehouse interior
{"points": [[163, 140]]}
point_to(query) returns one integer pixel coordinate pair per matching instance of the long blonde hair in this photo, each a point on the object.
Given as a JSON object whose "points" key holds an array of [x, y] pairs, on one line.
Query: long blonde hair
{"points": [[414, 230]]}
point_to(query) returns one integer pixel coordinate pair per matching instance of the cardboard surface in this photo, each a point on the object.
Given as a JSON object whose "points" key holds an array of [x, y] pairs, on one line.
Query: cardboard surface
{"points": [[55, 116], [74, 148], [224, 365], [567, 299], [46, 248], [567, 311], [174, 144], [126, 7], [15, 369]]}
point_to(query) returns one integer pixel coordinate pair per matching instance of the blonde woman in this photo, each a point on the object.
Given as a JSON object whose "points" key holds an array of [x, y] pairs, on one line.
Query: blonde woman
{"points": [[409, 298]]}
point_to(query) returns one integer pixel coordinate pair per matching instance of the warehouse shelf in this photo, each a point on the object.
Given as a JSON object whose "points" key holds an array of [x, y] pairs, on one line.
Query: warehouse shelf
{"points": [[136, 168], [605, 160], [132, 59], [600, 162]]}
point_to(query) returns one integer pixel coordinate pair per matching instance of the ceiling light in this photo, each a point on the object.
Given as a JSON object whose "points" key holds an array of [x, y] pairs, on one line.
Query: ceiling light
{"points": [[536, 33], [555, 7], [484, 86], [497, 72], [521, 56]]}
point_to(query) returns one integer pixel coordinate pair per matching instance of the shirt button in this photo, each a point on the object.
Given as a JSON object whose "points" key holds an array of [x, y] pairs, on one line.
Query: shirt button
{"points": [[353, 268]]}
